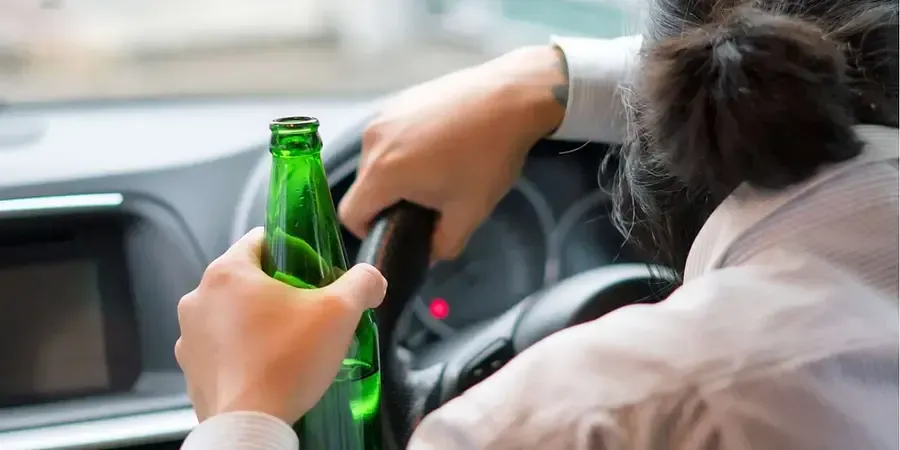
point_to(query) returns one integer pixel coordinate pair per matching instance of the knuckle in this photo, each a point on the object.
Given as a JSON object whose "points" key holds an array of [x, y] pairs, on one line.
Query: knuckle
{"points": [[383, 165], [371, 134], [185, 305], [337, 302], [217, 273]]}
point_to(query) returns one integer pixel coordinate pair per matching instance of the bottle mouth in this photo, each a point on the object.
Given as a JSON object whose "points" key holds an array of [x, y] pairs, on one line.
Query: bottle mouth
{"points": [[295, 124]]}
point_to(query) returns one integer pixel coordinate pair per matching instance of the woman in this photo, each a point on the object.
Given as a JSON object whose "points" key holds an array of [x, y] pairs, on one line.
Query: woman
{"points": [[760, 161]]}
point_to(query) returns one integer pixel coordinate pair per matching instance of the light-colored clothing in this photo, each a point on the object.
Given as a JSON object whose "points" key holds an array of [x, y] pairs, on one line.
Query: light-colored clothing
{"points": [[783, 336], [242, 430], [597, 68]]}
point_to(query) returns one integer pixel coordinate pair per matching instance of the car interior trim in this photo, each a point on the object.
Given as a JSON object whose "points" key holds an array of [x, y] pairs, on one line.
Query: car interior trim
{"points": [[104, 433], [18, 205]]}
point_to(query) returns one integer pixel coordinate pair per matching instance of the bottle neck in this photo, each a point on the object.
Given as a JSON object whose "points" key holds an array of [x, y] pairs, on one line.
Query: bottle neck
{"points": [[304, 246], [291, 145]]}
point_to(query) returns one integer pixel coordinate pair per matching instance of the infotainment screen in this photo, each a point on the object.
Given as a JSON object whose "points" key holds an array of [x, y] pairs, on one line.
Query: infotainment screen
{"points": [[51, 330], [67, 319]]}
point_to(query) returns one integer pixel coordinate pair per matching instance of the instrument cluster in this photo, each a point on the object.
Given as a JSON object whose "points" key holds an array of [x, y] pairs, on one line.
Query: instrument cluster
{"points": [[552, 225]]}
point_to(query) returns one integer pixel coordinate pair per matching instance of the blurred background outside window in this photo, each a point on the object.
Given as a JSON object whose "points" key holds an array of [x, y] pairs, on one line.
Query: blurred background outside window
{"points": [[62, 50]]}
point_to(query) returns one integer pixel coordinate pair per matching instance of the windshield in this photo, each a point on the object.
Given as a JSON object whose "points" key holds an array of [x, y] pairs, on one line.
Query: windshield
{"points": [[61, 50]]}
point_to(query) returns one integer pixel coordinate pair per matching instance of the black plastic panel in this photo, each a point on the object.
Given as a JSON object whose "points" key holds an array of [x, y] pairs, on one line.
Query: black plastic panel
{"points": [[79, 256], [160, 262], [490, 360]]}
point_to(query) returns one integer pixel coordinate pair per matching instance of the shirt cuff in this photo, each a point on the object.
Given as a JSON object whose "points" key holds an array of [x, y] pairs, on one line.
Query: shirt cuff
{"points": [[597, 69], [242, 430]]}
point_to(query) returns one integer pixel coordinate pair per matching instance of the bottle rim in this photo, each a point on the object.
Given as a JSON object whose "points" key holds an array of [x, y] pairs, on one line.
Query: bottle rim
{"points": [[294, 123]]}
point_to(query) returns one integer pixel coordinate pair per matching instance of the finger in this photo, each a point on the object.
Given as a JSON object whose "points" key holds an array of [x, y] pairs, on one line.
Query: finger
{"points": [[363, 201], [362, 287], [248, 249], [452, 233]]}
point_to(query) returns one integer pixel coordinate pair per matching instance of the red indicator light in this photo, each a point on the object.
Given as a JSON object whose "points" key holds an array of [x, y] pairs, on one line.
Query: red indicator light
{"points": [[439, 308]]}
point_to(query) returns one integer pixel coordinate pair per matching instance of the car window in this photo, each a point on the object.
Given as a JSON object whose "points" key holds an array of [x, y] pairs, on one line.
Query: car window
{"points": [[54, 50]]}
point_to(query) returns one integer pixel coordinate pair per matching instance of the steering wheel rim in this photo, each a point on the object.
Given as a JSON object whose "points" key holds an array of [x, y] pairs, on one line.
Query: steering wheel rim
{"points": [[399, 245]]}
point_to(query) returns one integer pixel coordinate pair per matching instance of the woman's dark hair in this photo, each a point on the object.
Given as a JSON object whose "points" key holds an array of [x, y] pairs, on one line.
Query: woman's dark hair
{"points": [[763, 92]]}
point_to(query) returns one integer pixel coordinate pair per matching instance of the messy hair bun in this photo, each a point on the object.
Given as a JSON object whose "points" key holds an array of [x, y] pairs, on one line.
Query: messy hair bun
{"points": [[763, 92], [757, 98]]}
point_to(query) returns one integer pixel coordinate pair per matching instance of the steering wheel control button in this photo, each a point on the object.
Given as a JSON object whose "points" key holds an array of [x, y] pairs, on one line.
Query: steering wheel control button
{"points": [[488, 361]]}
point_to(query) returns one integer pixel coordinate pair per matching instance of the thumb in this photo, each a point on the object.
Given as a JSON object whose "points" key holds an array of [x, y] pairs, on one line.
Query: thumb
{"points": [[362, 286]]}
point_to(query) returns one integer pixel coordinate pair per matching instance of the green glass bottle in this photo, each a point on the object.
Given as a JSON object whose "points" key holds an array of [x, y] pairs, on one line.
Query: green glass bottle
{"points": [[304, 249]]}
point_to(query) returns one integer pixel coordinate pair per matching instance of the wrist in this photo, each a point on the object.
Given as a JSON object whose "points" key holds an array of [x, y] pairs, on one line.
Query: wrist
{"points": [[263, 400], [538, 88]]}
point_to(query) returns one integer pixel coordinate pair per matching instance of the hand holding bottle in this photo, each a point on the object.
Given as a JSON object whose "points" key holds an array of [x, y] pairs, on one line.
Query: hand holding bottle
{"points": [[457, 144], [251, 343]]}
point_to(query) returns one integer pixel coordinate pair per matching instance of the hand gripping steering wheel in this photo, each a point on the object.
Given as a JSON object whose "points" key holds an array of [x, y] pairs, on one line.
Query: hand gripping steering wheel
{"points": [[399, 244]]}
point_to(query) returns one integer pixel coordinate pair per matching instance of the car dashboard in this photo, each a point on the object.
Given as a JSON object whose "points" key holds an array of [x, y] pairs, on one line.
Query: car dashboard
{"points": [[137, 197]]}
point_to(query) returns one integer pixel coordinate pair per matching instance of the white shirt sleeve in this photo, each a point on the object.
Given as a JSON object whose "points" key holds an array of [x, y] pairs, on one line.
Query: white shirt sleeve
{"points": [[242, 430], [597, 69]]}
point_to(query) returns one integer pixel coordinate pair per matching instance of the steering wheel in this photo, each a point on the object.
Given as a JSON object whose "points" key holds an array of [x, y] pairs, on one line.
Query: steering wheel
{"points": [[399, 244]]}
